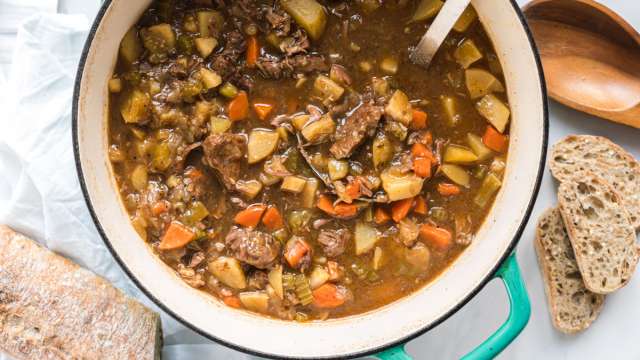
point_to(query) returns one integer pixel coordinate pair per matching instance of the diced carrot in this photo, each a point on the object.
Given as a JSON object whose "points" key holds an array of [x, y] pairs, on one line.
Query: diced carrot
{"points": [[400, 209], [446, 189], [426, 137], [325, 204], [421, 206], [380, 216], [263, 110], [272, 219], [294, 253], [253, 50], [345, 210], [327, 296], [176, 236], [352, 189], [419, 150], [250, 217], [419, 120], [494, 140], [193, 173], [160, 207], [232, 301], [422, 167], [238, 108], [435, 236]]}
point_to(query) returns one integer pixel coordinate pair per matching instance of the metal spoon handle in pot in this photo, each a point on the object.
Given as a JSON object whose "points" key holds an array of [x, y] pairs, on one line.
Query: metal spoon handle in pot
{"points": [[426, 49]]}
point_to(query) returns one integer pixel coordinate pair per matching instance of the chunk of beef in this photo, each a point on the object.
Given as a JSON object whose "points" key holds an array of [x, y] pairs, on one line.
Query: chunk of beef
{"points": [[408, 232], [360, 124], [224, 153], [279, 20], [225, 63], [252, 247], [334, 241], [275, 68], [297, 43]]}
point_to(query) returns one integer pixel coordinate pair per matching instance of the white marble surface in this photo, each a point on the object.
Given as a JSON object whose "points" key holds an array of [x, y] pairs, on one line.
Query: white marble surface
{"points": [[611, 336]]}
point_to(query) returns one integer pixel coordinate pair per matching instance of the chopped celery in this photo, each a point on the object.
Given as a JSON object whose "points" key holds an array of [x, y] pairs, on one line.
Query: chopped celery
{"points": [[495, 111], [467, 53], [378, 258], [489, 187], [298, 220], [309, 192], [303, 290], [398, 130], [196, 213]]}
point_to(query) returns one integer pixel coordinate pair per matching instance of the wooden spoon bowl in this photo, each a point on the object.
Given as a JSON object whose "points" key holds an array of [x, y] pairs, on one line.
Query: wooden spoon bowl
{"points": [[590, 56]]}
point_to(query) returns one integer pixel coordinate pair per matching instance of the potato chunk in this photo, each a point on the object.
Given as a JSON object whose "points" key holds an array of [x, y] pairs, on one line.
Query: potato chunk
{"points": [[481, 82], [327, 89], [205, 45], [317, 131], [399, 108], [130, 48], [135, 107], [229, 271], [456, 174], [159, 39], [365, 237], [257, 301], [401, 186], [456, 154], [262, 143], [427, 9], [494, 110], [467, 53], [308, 14]]}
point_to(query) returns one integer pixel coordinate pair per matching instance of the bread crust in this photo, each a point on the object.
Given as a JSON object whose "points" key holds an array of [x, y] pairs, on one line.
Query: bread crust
{"points": [[572, 307], [50, 308], [601, 232], [604, 158]]}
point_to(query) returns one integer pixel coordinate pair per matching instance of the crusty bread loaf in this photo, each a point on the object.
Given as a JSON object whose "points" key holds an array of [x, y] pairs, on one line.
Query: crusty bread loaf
{"points": [[600, 230], [572, 307], [578, 153], [50, 308]]}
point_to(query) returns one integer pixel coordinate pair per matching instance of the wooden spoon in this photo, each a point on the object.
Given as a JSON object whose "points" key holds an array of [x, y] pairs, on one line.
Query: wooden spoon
{"points": [[591, 57]]}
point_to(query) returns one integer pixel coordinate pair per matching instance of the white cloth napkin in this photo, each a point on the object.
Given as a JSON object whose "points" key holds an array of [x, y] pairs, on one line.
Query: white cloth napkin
{"points": [[39, 190]]}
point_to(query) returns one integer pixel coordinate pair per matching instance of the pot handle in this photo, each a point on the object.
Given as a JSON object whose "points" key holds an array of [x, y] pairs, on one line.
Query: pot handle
{"points": [[519, 312]]}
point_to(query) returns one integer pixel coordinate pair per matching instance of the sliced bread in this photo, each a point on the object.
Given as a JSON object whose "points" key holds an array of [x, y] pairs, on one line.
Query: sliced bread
{"points": [[601, 233], [572, 307], [50, 308], [578, 153]]}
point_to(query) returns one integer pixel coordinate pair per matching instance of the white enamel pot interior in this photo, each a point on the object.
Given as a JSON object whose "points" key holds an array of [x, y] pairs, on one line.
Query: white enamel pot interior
{"points": [[347, 337]]}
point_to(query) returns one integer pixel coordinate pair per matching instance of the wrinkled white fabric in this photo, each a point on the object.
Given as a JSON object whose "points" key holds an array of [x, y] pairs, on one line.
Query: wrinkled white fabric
{"points": [[39, 190]]}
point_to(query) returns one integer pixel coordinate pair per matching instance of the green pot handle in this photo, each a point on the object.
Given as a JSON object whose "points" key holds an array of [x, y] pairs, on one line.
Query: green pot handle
{"points": [[519, 312]]}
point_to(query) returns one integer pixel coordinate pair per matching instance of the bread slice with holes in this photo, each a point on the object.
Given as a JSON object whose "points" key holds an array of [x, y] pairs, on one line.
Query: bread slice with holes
{"points": [[50, 308], [601, 233], [579, 153], [571, 305]]}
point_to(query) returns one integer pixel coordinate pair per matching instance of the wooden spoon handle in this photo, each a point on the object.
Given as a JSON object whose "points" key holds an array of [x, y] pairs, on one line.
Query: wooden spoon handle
{"points": [[438, 31]]}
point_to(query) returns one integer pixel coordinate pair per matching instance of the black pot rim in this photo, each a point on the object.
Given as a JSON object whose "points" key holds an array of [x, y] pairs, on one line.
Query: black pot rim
{"points": [[373, 350]]}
